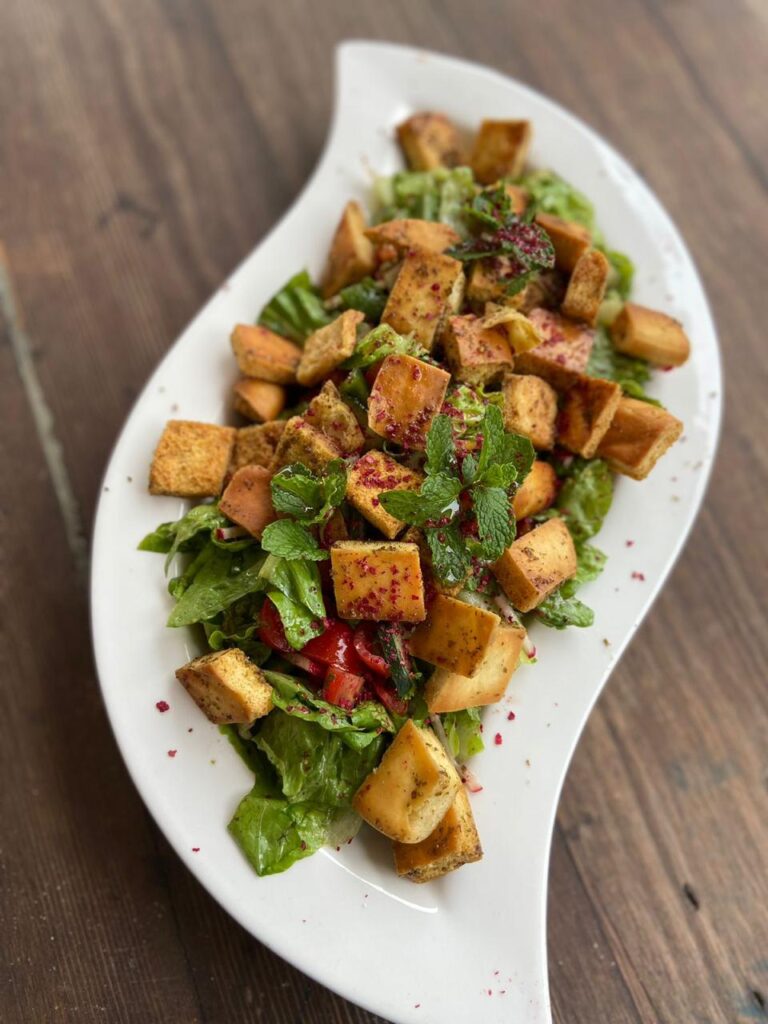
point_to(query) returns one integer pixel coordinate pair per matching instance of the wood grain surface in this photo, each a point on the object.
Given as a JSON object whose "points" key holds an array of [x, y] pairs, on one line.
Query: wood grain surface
{"points": [[145, 147]]}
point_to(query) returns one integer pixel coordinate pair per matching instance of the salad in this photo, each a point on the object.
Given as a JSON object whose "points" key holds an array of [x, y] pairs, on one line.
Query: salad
{"points": [[434, 434]]}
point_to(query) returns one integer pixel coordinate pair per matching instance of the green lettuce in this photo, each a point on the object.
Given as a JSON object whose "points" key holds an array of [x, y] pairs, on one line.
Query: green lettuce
{"points": [[559, 612], [296, 311], [606, 362], [440, 194], [549, 193], [463, 730], [367, 296], [214, 580], [358, 728], [293, 586], [380, 342], [586, 497], [305, 778]]}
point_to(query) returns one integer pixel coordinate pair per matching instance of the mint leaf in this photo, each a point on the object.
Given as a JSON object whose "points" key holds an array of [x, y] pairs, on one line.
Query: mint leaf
{"points": [[495, 522], [501, 233], [493, 439], [518, 451], [298, 492], [288, 539], [433, 501], [440, 449], [448, 552]]}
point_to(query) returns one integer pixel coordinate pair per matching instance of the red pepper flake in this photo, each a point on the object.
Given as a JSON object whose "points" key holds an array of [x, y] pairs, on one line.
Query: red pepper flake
{"points": [[510, 718], [629, 543], [638, 576], [195, 849], [497, 739], [162, 705], [172, 753]]}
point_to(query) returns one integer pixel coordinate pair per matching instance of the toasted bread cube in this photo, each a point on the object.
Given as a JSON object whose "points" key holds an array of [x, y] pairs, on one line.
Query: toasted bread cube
{"points": [[429, 141], [377, 580], [454, 842], [374, 473], [329, 413], [455, 635], [489, 281], [300, 442], [406, 235], [650, 334], [530, 409], [428, 288], [476, 354], [537, 491], [227, 687], [563, 353], [255, 446], [191, 459], [451, 691], [518, 198], [638, 436], [259, 400], [500, 150], [586, 414], [247, 499], [410, 792], [351, 256], [536, 564], [328, 348], [406, 396], [262, 353], [570, 240], [586, 287]]}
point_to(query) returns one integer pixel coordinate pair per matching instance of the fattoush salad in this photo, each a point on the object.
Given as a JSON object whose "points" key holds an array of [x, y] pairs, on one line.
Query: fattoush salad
{"points": [[434, 433]]}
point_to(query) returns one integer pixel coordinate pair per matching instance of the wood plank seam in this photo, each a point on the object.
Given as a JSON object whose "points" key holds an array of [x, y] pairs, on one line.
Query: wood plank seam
{"points": [[42, 415], [655, 10]]}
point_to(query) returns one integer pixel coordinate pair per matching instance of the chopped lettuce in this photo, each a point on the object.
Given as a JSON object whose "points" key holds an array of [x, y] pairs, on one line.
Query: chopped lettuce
{"points": [[585, 497], [440, 194], [357, 728], [368, 296], [294, 588], [466, 406], [559, 612], [302, 494], [463, 730], [549, 193], [296, 310], [215, 579], [606, 362], [186, 534], [380, 342], [305, 777]]}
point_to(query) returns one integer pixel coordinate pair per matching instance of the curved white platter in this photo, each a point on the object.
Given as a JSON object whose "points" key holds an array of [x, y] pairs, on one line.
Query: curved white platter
{"points": [[472, 946]]}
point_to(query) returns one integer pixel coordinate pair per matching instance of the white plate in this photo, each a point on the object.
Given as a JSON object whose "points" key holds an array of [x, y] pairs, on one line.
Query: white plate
{"points": [[470, 947]]}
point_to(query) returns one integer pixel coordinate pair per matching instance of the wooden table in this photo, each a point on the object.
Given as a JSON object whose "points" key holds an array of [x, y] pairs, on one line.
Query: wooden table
{"points": [[146, 147]]}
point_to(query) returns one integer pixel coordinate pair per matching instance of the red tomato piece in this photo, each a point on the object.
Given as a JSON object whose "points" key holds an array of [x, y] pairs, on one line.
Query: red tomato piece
{"points": [[335, 647], [312, 668], [366, 646], [342, 688], [386, 694], [271, 630]]}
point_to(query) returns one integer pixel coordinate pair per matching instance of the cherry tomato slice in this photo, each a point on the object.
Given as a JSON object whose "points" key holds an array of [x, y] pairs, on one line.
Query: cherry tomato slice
{"points": [[335, 647], [342, 688], [386, 694], [271, 630], [365, 642]]}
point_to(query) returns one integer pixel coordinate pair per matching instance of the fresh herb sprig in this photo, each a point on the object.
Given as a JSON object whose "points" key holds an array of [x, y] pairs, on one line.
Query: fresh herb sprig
{"points": [[464, 506], [309, 500], [499, 232]]}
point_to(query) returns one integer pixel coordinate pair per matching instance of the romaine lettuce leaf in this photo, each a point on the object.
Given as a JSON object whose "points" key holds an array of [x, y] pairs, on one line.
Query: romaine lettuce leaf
{"points": [[305, 778], [440, 194], [464, 732], [559, 612], [296, 310], [358, 728], [220, 578], [380, 342], [606, 362], [585, 498], [368, 296]]}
